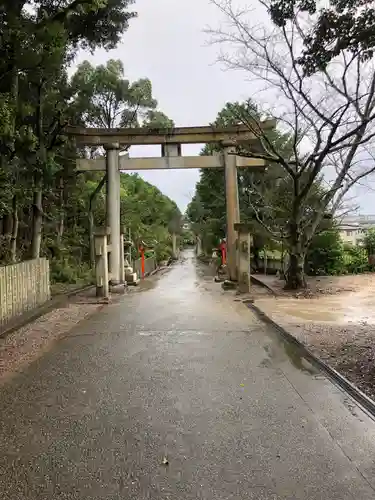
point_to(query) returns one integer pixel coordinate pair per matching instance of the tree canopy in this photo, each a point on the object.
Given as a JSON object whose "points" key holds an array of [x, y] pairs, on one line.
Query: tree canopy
{"points": [[339, 25], [107, 99], [261, 204]]}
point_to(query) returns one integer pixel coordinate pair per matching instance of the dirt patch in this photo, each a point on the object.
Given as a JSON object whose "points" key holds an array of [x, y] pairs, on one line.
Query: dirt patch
{"points": [[322, 285]]}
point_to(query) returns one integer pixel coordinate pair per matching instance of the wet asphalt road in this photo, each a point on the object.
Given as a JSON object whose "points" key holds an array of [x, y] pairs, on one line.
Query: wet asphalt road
{"points": [[179, 371]]}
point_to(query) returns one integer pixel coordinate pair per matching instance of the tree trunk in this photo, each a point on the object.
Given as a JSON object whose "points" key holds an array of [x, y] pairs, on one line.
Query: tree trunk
{"points": [[91, 239], [7, 226], [13, 241], [6, 236], [256, 250], [91, 219], [14, 93], [37, 222], [282, 261], [36, 239], [60, 224], [265, 262], [60, 229], [295, 275]]}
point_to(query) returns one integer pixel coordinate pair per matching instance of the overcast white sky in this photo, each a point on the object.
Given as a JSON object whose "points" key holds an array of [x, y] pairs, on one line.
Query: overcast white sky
{"points": [[166, 43]]}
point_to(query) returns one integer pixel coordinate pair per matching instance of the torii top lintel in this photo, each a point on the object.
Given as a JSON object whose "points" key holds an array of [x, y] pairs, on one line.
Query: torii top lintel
{"points": [[179, 135]]}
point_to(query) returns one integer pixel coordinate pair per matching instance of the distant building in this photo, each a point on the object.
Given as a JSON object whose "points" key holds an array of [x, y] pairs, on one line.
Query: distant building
{"points": [[353, 228]]}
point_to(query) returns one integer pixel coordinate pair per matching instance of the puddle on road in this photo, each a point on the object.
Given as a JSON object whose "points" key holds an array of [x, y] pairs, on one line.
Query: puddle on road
{"points": [[298, 359], [278, 348]]}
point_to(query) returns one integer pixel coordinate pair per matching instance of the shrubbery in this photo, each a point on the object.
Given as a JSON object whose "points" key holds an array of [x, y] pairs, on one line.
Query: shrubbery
{"points": [[356, 260], [65, 271], [328, 255]]}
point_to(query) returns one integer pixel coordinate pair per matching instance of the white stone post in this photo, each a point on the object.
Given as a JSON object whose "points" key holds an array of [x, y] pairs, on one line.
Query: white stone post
{"points": [[101, 263], [122, 259], [113, 209], [243, 257]]}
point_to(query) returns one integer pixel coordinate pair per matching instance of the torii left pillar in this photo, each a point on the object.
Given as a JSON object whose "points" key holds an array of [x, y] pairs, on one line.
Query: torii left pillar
{"points": [[113, 210], [233, 209]]}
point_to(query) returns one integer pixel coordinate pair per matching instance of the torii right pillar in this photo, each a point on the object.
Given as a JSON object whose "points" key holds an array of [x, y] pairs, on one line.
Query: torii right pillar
{"points": [[113, 211], [233, 210]]}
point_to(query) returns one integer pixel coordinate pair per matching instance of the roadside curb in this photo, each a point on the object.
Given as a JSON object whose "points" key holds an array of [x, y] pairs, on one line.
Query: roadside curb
{"points": [[367, 403], [158, 270], [257, 281], [45, 308]]}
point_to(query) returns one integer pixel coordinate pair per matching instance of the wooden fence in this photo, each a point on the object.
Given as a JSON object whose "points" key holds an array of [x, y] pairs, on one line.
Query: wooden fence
{"points": [[150, 266], [23, 287]]}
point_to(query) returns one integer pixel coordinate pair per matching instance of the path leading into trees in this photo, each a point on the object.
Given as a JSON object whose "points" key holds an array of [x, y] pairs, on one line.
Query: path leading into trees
{"points": [[179, 392]]}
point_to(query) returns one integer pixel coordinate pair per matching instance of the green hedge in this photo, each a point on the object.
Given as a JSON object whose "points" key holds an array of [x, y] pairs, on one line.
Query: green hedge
{"points": [[328, 255]]}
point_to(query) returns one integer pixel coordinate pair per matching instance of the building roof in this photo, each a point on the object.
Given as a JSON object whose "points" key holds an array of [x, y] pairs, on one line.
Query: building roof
{"points": [[357, 222]]}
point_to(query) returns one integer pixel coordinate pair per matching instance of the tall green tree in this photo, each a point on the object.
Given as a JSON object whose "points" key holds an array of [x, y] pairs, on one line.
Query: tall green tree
{"points": [[39, 187], [155, 119], [106, 99], [150, 215], [144, 210], [102, 97], [207, 209], [38, 41]]}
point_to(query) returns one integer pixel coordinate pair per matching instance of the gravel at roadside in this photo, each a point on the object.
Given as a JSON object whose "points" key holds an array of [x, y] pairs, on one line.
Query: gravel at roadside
{"points": [[26, 344], [348, 348], [334, 318]]}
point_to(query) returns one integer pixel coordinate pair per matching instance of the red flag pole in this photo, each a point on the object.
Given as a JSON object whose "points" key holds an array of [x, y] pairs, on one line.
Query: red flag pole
{"points": [[223, 253], [142, 250]]}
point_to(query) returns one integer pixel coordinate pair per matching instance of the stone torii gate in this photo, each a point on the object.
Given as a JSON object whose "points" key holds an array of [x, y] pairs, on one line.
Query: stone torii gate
{"points": [[170, 140]]}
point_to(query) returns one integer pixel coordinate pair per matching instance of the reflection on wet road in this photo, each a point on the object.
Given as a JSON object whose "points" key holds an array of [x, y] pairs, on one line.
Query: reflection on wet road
{"points": [[179, 392]]}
